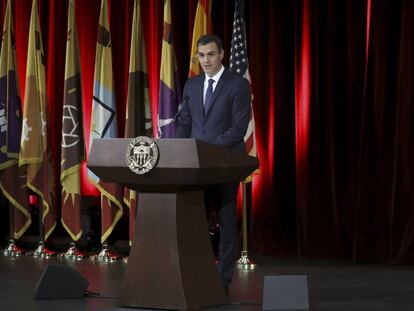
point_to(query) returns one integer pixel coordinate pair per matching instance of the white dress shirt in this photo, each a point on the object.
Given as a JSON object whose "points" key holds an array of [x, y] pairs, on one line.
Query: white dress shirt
{"points": [[216, 77]]}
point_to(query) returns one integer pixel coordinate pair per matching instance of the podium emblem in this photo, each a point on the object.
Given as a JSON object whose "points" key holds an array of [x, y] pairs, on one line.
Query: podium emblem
{"points": [[141, 155]]}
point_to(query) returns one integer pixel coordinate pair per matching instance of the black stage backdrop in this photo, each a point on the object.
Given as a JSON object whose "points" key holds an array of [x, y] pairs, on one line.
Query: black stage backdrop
{"points": [[333, 101]]}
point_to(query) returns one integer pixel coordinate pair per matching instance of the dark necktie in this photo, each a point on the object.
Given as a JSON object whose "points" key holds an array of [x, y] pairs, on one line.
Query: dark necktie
{"points": [[209, 95]]}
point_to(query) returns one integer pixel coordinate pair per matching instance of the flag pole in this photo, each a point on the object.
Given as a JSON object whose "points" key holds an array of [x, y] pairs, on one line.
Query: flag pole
{"points": [[105, 255], [12, 250], [41, 251], [244, 263], [239, 63]]}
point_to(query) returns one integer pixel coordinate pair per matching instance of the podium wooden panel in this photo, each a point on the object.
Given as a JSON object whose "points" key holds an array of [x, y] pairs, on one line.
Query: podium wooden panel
{"points": [[171, 263]]}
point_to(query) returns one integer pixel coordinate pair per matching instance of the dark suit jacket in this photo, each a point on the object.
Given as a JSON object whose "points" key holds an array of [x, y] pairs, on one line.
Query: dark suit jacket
{"points": [[226, 121]]}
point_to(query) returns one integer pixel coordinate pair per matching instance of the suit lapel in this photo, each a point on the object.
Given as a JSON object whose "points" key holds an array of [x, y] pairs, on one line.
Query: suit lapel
{"points": [[198, 100], [222, 81], [197, 95]]}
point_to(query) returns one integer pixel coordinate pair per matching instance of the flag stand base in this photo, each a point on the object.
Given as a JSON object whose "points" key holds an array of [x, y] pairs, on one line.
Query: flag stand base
{"points": [[244, 263], [42, 252], [12, 250], [72, 253], [105, 255]]}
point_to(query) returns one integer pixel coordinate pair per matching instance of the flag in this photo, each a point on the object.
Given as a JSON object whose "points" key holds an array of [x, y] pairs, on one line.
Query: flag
{"points": [[12, 178], [34, 148], [138, 112], [202, 26], [239, 63], [170, 94], [73, 146], [103, 122]]}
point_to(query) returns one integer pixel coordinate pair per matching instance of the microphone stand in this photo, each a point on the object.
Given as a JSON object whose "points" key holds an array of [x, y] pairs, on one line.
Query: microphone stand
{"points": [[174, 118]]}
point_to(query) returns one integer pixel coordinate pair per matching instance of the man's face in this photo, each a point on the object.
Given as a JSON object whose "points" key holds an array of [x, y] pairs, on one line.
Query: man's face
{"points": [[210, 58]]}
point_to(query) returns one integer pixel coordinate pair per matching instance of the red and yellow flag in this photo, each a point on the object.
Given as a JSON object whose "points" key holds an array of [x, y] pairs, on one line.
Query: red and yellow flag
{"points": [[202, 26], [34, 152]]}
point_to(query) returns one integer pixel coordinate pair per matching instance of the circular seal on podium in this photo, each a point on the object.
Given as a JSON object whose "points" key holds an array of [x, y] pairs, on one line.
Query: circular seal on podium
{"points": [[141, 155]]}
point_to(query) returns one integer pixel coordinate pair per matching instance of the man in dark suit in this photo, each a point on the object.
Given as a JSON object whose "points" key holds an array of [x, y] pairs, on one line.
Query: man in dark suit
{"points": [[216, 109]]}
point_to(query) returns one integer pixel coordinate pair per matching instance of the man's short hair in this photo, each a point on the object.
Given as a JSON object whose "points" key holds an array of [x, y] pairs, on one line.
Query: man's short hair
{"points": [[208, 38]]}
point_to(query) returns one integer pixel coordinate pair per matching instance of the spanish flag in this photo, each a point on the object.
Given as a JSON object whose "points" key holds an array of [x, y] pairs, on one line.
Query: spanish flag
{"points": [[138, 112], [103, 122], [12, 178], [73, 146], [34, 151], [202, 26]]}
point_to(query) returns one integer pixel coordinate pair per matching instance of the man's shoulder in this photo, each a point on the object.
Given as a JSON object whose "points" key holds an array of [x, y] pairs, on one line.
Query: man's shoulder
{"points": [[235, 78], [196, 79], [231, 75], [194, 83]]}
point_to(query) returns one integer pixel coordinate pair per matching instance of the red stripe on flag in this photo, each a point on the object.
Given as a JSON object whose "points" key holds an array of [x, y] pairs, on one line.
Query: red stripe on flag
{"points": [[249, 143]]}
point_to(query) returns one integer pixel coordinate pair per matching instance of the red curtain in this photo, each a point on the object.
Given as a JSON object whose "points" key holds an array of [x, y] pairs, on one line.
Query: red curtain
{"points": [[355, 180], [385, 194], [334, 119]]}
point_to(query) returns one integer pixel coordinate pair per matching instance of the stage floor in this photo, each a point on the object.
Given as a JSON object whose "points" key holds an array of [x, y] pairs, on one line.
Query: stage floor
{"points": [[333, 285]]}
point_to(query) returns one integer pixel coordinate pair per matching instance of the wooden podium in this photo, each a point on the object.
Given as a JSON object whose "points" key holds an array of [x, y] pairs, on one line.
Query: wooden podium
{"points": [[171, 263]]}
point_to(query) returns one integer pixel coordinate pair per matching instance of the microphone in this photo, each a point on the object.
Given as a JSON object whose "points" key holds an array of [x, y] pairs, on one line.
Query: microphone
{"points": [[180, 108], [174, 118]]}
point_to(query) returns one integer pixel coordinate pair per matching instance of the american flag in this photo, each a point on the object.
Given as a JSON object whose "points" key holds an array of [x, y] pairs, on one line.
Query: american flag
{"points": [[239, 63]]}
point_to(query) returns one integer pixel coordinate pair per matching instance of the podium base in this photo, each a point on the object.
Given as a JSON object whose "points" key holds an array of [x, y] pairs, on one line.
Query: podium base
{"points": [[171, 263]]}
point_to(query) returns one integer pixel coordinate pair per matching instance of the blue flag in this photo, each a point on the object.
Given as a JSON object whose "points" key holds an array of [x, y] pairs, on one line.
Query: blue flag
{"points": [[12, 178]]}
